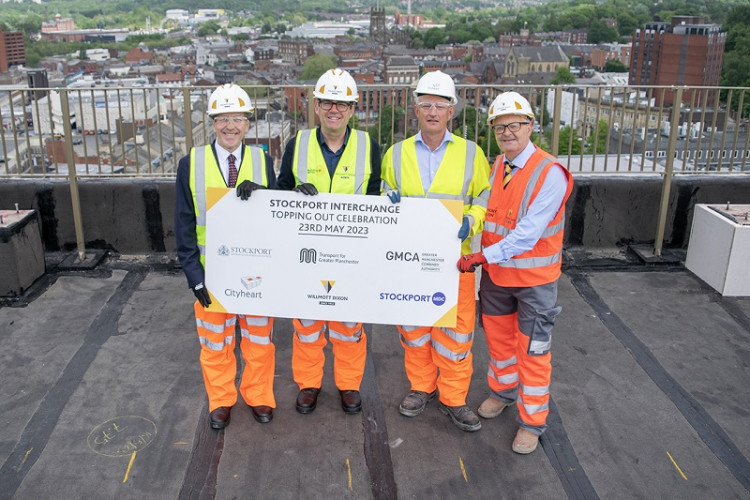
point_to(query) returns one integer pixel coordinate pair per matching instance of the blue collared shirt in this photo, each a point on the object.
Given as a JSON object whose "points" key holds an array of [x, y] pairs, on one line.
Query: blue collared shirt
{"points": [[429, 160], [542, 210], [332, 157]]}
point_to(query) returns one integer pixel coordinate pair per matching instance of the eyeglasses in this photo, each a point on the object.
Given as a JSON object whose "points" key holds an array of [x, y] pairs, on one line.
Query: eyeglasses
{"points": [[237, 120], [440, 106], [340, 106], [513, 127]]}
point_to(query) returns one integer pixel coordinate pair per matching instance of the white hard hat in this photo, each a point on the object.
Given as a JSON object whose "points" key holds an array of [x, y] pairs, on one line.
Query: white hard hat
{"points": [[336, 85], [229, 98], [509, 103], [436, 83]]}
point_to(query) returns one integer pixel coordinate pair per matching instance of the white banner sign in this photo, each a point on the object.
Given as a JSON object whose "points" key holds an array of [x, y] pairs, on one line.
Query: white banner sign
{"points": [[333, 257]]}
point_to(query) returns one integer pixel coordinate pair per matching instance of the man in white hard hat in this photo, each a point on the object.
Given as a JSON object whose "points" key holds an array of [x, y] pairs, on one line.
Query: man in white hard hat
{"points": [[226, 162], [437, 164], [521, 257], [332, 158]]}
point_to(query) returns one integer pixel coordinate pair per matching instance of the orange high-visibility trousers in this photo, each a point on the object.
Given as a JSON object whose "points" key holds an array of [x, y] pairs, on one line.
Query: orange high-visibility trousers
{"points": [[216, 332], [349, 344], [513, 371], [441, 357]]}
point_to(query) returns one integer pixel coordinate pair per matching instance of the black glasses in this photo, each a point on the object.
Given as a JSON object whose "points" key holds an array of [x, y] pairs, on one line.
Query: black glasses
{"points": [[340, 106], [440, 106], [513, 127]]}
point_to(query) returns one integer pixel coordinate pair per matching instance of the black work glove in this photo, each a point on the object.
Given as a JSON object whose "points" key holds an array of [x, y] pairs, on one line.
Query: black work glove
{"points": [[306, 188], [246, 188], [201, 293]]}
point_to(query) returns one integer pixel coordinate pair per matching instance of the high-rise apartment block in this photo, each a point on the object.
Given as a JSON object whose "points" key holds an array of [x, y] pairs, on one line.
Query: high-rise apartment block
{"points": [[686, 51], [12, 49]]}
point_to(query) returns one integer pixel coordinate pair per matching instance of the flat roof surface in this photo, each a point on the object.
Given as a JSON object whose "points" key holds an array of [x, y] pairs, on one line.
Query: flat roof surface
{"points": [[102, 397]]}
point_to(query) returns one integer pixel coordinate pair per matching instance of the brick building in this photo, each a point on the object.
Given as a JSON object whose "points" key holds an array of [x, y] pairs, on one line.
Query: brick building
{"points": [[686, 51], [12, 49]]}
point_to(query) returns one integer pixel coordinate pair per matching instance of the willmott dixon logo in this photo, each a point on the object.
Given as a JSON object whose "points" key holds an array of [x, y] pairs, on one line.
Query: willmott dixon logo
{"points": [[327, 285]]}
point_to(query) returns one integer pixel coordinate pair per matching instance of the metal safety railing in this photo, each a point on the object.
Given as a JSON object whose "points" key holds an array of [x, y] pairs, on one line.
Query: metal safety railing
{"points": [[143, 131]]}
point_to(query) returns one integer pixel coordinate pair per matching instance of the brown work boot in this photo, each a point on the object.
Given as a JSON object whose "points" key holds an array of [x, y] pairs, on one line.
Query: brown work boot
{"points": [[415, 402], [525, 442], [463, 417], [492, 407]]}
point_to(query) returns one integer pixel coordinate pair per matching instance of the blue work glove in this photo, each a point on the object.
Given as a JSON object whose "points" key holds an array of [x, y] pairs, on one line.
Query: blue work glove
{"points": [[306, 188], [394, 195], [463, 233], [201, 293]]}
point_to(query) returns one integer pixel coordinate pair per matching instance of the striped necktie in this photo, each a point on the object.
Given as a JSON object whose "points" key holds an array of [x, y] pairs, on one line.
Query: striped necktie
{"points": [[232, 171], [508, 169]]}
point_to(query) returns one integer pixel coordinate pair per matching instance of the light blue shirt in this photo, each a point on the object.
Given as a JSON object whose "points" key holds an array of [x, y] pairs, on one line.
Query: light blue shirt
{"points": [[223, 156], [541, 211], [429, 160]]}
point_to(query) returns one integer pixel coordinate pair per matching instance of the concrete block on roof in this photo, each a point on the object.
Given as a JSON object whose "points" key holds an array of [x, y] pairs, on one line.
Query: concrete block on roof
{"points": [[21, 251]]}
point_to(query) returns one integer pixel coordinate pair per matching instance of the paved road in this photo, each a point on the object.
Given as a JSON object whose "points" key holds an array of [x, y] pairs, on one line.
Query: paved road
{"points": [[102, 397]]}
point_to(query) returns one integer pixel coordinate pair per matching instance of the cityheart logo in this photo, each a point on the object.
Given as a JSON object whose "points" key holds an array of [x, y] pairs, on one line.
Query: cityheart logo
{"points": [[251, 281], [308, 256], [437, 298], [327, 285]]}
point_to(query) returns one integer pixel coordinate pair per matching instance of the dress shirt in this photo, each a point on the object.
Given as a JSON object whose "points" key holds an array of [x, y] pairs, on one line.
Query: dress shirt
{"points": [[429, 160], [223, 156], [332, 157]]}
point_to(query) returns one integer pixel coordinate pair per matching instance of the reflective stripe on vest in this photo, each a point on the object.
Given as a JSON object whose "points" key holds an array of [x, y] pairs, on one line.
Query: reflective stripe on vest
{"points": [[361, 159], [309, 339], [471, 151], [257, 162]]}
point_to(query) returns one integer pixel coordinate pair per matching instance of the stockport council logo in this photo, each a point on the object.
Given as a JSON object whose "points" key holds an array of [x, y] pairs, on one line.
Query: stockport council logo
{"points": [[223, 250]]}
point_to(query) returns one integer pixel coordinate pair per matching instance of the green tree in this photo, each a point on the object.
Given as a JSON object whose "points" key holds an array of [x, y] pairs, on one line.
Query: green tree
{"points": [[615, 67], [566, 144], [562, 75], [598, 143], [384, 131], [599, 32], [208, 28], [317, 65], [434, 37]]}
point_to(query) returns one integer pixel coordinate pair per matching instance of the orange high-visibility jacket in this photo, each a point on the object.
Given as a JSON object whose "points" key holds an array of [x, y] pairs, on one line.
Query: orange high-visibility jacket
{"points": [[507, 207]]}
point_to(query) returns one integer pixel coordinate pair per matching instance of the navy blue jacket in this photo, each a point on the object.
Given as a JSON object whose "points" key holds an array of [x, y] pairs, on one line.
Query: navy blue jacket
{"points": [[184, 219]]}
